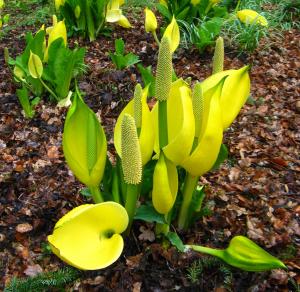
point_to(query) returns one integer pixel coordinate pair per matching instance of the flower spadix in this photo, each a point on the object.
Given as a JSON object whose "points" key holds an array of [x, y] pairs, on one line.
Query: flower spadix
{"points": [[208, 130], [150, 21], [130, 151], [235, 92], [218, 59], [88, 237], [138, 108], [244, 254], [173, 34], [249, 16], [84, 143], [59, 3], [179, 113]]}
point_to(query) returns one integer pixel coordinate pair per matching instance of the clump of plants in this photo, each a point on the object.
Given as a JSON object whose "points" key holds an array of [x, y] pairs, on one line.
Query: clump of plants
{"points": [[47, 67], [3, 18], [161, 153], [89, 17], [202, 22]]}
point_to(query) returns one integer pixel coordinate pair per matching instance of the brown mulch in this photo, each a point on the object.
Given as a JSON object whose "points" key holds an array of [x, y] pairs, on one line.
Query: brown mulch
{"points": [[256, 193]]}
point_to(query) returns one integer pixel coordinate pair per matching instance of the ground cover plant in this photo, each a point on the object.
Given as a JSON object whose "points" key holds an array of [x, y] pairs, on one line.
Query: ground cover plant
{"points": [[253, 194]]}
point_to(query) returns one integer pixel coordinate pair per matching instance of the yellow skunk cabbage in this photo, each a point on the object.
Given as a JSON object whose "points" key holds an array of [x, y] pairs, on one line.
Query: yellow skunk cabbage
{"points": [[146, 135], [58, 31], [84, 144], [195, 2], [35, 66], [209, 130], [1, 4], [150, 21], [244, 254], [164, 3], [181, 123], [173, 34], [114, 13], [249, 16], [165, 185], [124, 22], [59, 3], [88, 237], [235, 92]]}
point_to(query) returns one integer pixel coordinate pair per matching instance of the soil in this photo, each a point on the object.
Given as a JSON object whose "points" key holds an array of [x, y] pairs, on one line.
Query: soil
{"points": [[255, 193]]}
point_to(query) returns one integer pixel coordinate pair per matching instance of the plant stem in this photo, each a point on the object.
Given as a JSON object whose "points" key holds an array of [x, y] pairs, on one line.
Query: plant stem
{"points": [[115, 186], [188, 190], [132, 194], [207, 250], [48, 89], [156, 38], [237, 6], [96, 194], [163, 123]]}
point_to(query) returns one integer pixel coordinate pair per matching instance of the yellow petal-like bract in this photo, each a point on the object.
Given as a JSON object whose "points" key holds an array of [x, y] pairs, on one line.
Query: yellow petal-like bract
{"points": [[35, 66], [181, 123], [150, 21], [210, 137], [88, 237], [124, 22], [249, 16], [235, 92], [172, 32], [84, 143], [165, 185], [58, 31], [1, 4], [195, 2], [146, 137], [59, 3]]}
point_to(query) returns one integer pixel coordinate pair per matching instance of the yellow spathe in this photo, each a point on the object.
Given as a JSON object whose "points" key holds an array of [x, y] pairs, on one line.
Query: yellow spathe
{"points": [[58, 31], [235, 92], [165, 185], [210, 137], [172, 32], [249, 16], [181, 123], [88, 237], [150, 21], [84, 143], [146, 137]]}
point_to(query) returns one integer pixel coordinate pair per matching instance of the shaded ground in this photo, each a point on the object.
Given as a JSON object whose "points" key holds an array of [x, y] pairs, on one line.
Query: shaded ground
{"points": [[255, 193]]}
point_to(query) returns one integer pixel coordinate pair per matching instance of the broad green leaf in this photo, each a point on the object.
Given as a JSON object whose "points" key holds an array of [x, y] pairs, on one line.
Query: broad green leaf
{"points": [[176, 241], [25, 102], [149, 214]]}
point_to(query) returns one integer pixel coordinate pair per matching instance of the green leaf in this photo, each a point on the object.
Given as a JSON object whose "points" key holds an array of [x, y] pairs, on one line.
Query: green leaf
{"points": [[131, 59], [149, 214], [164, 11], [176, 241], [25, 102], [223, 155], [85, 192], [148, 78], [119, 46]]}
